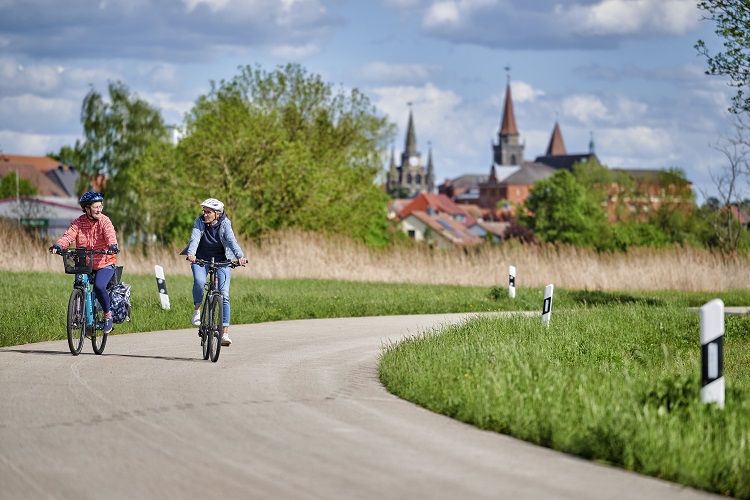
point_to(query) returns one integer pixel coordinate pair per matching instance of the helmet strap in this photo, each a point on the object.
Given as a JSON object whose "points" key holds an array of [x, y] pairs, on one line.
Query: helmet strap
{"points": [[88, 213]]}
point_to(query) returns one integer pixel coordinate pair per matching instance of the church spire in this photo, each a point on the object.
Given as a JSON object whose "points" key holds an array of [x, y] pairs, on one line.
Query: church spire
{"points": [[508, 125], [411, 136], [430, 170], [556, 145]]}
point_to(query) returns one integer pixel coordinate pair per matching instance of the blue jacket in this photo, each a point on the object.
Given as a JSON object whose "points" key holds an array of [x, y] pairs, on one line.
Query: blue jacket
{"points": [[232, 249]]}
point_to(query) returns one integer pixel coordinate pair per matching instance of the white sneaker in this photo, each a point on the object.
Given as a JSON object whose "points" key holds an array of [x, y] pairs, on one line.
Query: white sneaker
{"points": [[225, 340], [197, 317]]}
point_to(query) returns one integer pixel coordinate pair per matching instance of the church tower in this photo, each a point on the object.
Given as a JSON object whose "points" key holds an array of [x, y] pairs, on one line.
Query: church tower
{"points": [[409, 178], [508, 150]]}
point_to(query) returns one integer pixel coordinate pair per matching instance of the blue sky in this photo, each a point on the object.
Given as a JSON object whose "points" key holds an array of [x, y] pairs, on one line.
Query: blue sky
{"points": [[624, 71]]}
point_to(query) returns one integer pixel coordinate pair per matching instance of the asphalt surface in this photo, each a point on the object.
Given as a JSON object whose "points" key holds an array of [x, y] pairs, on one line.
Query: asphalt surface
{"points": [[291, 410]]}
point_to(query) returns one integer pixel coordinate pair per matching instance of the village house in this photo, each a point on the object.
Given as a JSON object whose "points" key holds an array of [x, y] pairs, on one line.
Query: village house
{"points": [[55, 206]]}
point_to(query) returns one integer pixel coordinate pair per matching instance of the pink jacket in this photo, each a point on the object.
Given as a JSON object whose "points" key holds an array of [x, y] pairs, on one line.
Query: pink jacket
{"points": [[94, 235]]}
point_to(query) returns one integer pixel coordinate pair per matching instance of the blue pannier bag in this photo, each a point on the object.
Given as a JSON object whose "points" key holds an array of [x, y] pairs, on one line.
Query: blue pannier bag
{"points": [[120, 302]]}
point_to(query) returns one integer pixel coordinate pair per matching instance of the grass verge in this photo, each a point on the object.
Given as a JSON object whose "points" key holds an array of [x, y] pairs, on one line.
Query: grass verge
{"points": [[618, 384]]}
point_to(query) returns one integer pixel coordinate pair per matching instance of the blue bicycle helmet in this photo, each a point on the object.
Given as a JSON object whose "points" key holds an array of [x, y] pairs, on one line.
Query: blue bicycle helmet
{"points": [[89, 198]]}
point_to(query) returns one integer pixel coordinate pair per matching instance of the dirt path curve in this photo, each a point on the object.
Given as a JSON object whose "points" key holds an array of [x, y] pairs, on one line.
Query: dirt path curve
{"points": [[292, 410]]}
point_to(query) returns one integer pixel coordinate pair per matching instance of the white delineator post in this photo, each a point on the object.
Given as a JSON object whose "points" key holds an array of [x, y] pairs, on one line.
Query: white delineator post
{"points": [[712, 352], [512, 282], [547, 307], [161, 283]]}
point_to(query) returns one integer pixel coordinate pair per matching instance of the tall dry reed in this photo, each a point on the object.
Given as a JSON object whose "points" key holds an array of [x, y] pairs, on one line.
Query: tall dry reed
{"points": [[295, 254]]}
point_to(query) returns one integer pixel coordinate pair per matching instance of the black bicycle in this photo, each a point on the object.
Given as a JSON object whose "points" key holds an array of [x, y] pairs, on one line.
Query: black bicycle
{"points": [[212, 310], [85, 315]]}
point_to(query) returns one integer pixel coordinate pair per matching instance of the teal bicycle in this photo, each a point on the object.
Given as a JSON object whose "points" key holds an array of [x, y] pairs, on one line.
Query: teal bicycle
{"points": [[85, 316]]}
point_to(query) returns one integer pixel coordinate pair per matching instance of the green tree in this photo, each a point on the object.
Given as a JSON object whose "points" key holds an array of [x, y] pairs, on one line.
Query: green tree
{"points": [[732, 17], [282, 149], [117, 132], [683, 227], [8, 187], [558, 210]]}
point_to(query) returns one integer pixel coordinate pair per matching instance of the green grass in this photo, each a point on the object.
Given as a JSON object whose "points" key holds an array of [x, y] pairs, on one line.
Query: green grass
{"points": [[614, 378], [35, 304], [618, 384]]}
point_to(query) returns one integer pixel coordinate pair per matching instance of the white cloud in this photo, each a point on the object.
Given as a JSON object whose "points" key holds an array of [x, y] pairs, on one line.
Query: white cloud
{"points": [[622, 17], [556, 25], [36, 78], [33, 144], [524, 92], [638, 140], [453, 13], [50, 80], [630, 110], [21, 107], [162, 75], [442, 13], [584, 108]]}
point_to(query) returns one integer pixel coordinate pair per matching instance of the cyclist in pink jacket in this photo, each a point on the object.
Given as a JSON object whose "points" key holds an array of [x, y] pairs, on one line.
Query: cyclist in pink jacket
{"points": [[94, 231]]}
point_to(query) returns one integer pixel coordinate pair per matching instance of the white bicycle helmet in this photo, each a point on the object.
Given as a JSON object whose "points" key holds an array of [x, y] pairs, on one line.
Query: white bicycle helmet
{"points": [[213, 204]]}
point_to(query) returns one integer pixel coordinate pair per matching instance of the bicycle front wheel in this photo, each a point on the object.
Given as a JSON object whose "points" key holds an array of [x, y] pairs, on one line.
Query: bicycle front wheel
{"points": [[215, 319], [76, 321], [98, 337], [204, 330]]}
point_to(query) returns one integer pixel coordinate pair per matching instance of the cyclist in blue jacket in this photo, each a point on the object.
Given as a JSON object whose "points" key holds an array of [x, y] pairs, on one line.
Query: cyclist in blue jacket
{"points": [[212, 237]]}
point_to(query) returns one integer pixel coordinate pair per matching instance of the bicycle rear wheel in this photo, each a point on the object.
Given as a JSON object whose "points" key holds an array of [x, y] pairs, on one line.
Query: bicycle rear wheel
{"points": [[98, 337], [76, 321], [215, 319]]}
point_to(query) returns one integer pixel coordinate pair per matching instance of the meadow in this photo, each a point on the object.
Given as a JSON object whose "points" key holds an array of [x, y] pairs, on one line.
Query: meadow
{"points": [[614, 378], [618, 384]]}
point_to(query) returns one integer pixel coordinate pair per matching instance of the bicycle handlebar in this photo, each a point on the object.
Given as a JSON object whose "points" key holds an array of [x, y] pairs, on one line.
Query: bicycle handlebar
{"points": [[69, 251], [231, 263]]}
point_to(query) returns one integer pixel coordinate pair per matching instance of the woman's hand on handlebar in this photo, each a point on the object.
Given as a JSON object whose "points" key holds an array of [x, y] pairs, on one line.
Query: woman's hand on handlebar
{"points": [[242, 261], [191, 258]]}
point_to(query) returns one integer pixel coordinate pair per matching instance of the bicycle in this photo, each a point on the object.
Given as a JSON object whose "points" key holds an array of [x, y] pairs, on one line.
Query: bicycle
{"points": [[85, 316], [212, 310]]}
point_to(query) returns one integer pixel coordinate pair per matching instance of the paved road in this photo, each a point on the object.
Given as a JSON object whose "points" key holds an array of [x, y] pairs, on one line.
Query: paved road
{"points": [[302, 415]]}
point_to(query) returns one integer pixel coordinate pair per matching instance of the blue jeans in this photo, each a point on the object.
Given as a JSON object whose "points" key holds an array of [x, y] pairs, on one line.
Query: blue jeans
{"points": [[101, 279], [224, 274]]}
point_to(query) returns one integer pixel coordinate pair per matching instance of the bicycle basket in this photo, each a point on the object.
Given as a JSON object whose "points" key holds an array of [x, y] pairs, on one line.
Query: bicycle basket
{"points": [[78, 262]]}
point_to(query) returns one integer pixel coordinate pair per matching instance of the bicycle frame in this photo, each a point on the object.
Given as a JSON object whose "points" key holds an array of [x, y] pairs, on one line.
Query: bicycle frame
{"points": [[83, 282]]}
